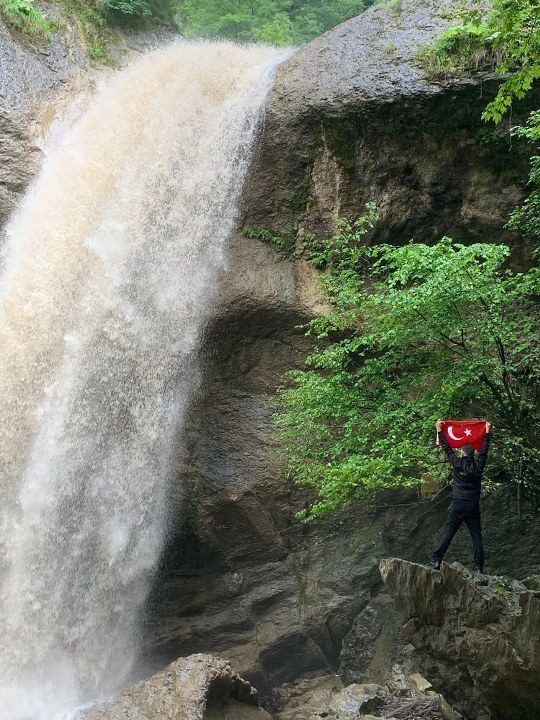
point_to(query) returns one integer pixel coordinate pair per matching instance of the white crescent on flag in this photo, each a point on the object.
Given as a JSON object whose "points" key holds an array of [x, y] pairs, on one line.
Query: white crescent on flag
{"points": [[450, 430]]}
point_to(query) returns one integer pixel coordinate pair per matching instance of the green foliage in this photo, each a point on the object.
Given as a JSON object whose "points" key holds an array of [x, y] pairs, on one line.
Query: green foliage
{"points": [[138, 11], [416, 332], [93, 27], [22, 15], [284, 242], [506, 38], [527, 217], [396, 7], [279, 22], [460, 49], [513, 28], [127, 9]]}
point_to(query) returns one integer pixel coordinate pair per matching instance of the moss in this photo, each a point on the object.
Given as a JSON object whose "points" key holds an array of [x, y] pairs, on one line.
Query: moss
{"points": [[342, 142], [299, 197], [460, 50], [395, 7]]}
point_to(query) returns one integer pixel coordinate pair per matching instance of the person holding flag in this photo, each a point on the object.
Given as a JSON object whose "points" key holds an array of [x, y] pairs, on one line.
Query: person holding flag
{"points": [[465, 436]]}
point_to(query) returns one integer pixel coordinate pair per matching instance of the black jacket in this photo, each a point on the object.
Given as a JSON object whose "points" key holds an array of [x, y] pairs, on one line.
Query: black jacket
{"points": [[467, 472]]}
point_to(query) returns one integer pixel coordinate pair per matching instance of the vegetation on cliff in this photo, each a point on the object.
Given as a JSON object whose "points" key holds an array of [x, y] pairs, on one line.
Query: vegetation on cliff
{"points": [[277, 22], [22, 15], [422, 331], [507, 40], [415, 332]]}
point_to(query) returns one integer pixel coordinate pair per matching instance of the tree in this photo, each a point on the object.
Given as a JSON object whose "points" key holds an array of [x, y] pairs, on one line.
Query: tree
{"points": [[279, 22], [416, 332]]}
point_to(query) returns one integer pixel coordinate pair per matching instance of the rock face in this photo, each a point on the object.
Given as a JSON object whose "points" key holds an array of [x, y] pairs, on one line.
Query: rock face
{"points": [[199, 687], [478, 637], [353, 118]]}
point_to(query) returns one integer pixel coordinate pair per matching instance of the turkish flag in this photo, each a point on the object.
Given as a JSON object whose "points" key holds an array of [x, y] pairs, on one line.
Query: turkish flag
{"points": [[464, 432]]}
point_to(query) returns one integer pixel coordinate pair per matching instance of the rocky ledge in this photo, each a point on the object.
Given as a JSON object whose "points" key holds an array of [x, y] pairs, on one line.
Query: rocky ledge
{"points": [[476, 637]]}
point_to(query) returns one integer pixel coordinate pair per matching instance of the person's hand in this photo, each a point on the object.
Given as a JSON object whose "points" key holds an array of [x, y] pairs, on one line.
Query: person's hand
{"points": [[438, 425], [488, 426]]}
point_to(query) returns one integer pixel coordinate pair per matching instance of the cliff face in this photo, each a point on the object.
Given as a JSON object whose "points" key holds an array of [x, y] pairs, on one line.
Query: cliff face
{"points": [[351, 119], [478, 637]]}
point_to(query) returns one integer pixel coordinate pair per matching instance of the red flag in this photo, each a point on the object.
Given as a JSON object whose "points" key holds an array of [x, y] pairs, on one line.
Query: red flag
{"points": [[464, 432]]}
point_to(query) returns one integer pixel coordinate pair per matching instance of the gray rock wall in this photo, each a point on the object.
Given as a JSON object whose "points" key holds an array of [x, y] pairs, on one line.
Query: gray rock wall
{"points": [[353, 118]]}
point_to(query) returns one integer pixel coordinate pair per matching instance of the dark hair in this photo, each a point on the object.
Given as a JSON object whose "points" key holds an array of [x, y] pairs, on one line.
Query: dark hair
{"points": [[468, 451]]}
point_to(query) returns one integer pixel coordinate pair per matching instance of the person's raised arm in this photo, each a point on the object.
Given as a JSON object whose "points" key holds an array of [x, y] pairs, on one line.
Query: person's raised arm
{"points": [[450, 455], [483, 453]]}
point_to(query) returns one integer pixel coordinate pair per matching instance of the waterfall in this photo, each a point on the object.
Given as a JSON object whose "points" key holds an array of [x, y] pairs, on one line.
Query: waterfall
{"points": [[108, 270]]}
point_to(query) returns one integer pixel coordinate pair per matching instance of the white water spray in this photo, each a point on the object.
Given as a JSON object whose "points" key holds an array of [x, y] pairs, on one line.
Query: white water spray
{"points": [[108, 271]]}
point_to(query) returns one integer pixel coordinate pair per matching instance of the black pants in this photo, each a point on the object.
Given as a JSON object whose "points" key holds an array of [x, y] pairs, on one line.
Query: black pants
{"points": [[462, 511]]}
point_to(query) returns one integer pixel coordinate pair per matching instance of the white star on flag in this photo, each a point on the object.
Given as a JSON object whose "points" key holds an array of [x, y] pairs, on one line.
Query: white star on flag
{"points": [[468, 432]]}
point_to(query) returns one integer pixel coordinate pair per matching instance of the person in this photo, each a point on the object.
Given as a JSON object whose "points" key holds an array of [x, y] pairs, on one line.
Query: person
{"points": [[465, 506]]}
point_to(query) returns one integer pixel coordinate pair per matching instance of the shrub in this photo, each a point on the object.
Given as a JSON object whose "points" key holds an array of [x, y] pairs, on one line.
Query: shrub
{"points": [[416, 332], [25, 17]]}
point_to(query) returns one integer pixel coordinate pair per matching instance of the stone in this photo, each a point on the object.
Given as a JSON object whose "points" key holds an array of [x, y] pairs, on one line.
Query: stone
{"points": [[199, 687], [477, 637], [356, 699], [420, 682], [306, 697], [373, 644], [350, 121]]}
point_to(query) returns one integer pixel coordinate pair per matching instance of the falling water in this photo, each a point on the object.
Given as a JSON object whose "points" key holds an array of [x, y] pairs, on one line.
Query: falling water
{"points": [[108, 271]]}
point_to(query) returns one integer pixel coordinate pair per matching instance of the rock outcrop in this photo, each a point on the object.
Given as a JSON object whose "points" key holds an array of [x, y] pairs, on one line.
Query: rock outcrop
{"points": [[476, 636], [353, 118], [199, 687]]}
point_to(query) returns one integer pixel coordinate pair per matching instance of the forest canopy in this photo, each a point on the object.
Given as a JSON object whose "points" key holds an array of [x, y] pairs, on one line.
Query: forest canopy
{"points": [[278, 22]]}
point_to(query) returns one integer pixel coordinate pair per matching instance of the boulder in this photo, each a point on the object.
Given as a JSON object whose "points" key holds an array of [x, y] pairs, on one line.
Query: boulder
{"points": [[477, 637], [199, 687]]}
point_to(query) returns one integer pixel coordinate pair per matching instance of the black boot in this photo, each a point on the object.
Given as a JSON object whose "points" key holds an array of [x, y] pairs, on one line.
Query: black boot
{"points": [[478, 568], [435, 564]]}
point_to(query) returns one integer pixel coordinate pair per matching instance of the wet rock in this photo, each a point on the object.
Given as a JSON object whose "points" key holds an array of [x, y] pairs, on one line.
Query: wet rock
{"points": [[373, 645], [199, 687], [353, 118], [477, 637]]}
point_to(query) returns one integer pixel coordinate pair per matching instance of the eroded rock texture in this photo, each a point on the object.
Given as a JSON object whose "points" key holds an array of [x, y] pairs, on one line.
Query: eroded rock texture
{"points": [[199, 687], [478, 637], [353, 118]]}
